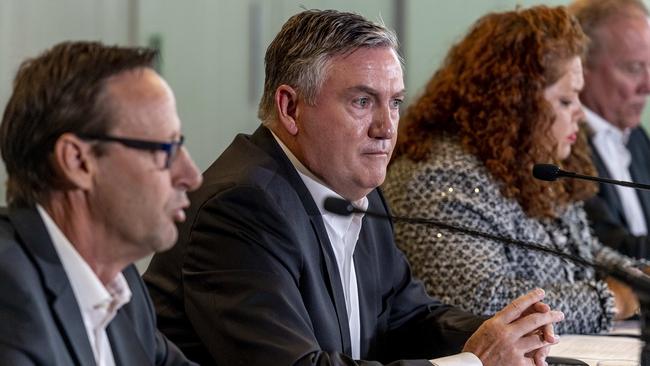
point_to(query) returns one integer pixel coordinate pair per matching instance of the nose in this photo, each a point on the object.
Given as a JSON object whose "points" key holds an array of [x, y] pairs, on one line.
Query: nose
{"points": [[579, 115], [185, 174], [644, 82], [384, 124]]}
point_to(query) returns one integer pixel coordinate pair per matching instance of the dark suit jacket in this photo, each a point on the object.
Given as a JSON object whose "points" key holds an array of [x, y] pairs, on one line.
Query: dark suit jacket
{"points": [[254, 281], [606, 211], [40, 321]]}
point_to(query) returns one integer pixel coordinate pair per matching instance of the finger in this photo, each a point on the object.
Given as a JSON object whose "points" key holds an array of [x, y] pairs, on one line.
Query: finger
{"points": [[541, 307], [540, 356], [548, 331], [538, 307], [533, 322], [530, 343], [517, 307]]}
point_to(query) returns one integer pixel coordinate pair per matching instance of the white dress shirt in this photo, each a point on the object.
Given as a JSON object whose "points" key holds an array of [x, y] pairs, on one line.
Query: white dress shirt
{"points": [[610, 143], [98, 304], [343, 232]]}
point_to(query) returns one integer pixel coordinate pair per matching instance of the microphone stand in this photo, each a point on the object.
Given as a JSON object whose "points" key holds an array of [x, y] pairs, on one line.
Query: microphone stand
{"points": [[638, 282]]}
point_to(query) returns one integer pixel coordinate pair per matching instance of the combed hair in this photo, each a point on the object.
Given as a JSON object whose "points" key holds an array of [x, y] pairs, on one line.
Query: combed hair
{"points": [[299, 54], [593, 14], [490, 92], [56, 93]]}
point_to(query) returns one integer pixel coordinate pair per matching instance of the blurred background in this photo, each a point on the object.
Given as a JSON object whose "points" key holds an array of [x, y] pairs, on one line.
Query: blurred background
{"points": [[213, 50]]}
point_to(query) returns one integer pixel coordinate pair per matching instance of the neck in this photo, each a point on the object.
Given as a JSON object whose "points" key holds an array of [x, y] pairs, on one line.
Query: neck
{"points": [[86, 234]]}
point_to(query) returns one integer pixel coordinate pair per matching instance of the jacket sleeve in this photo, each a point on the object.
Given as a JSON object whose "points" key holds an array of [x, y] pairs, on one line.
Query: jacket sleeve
{"points": [[167, 354], [613, 233]]}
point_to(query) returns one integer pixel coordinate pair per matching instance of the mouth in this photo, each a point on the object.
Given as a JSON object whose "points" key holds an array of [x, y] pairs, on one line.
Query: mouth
{"points": [[179, 213], [572, 138], [376, 153]]}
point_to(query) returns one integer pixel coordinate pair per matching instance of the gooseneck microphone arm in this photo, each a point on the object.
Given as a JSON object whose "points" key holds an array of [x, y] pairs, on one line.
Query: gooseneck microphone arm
{"points": [[550, 172], [635, 280], [342, 207]]}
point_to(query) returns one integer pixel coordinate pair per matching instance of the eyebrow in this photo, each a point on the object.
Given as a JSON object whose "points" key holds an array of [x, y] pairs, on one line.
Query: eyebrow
{"points": [[373, 92]]}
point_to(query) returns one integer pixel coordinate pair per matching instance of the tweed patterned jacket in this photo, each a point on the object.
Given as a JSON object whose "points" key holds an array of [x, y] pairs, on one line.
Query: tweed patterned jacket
{"points": [[483, 276]]}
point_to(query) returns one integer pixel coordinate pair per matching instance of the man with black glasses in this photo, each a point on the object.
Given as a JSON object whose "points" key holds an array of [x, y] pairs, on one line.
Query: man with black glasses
{"points": [[97, 180]]}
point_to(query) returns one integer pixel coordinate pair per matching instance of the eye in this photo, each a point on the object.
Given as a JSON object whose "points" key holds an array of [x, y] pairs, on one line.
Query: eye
{"points": [[565, 102], [362, 102], [633, 68], [396, 103]]}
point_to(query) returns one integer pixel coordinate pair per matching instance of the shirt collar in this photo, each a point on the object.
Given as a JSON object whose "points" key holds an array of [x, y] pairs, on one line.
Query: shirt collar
{"points": [[318, 189], [601, 126], [88, 289]]}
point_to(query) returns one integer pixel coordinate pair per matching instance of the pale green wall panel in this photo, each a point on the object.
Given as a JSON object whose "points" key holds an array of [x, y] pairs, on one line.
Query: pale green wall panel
{"points": [[213, 49]]}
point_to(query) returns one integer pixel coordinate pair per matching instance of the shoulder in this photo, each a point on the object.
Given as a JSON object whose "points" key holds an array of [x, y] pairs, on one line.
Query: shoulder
{"points": [[24, 297], [449, 172], [639, 140], [13, 256], [7, 232], [253, 164]]}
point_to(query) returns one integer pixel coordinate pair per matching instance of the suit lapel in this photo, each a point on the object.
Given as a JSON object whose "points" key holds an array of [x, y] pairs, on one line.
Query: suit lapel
{"points": [[639, 170], [367, 285], [335, 288], [38, 244], [366, 262], [265, 140], [126, 346], [608, 192]]}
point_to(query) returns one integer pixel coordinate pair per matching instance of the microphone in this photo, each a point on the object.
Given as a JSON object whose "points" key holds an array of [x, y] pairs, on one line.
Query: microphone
{"points": [[550, 172], [634, 279]]}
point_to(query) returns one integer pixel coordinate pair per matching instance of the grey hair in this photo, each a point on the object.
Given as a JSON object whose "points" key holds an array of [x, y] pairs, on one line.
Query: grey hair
{"points": [[300, 53], [592, 14]]}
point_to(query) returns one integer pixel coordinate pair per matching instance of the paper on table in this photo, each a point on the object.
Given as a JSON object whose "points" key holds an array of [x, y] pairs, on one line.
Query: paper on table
{"points": [[592, 349], [629, 327]]}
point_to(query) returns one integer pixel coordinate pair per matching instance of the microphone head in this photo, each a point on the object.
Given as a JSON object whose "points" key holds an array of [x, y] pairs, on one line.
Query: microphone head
{"points": [[338, 206], [548, 172]]}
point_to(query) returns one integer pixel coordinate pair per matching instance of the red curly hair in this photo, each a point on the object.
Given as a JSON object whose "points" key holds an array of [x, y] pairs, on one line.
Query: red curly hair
{"points": [[490, 92]]}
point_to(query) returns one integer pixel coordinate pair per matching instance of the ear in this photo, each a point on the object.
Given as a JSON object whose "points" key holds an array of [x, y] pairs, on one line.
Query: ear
{"points": [[73, 160], [286, 103]]}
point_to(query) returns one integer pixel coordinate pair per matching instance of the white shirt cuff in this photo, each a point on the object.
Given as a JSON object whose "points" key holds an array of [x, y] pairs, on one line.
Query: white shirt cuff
{"points": [[461, 359]]}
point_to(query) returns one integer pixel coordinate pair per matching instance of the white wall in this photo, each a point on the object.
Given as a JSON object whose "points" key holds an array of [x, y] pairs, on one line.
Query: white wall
{"points": [[213, 59], [432, 27], [28, 27], [213, 49]]}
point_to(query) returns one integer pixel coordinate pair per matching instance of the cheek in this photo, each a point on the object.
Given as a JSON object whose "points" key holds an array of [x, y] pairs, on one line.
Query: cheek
{"points": [[624, 86], [560, 126]]}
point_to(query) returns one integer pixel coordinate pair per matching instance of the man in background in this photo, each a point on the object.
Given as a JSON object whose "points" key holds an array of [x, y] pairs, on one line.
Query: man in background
{"points": [[263, 274], [617, 83], [97, 179]]}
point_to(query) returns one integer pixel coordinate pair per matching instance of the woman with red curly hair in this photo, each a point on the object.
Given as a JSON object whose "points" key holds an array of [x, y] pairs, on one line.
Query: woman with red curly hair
{"points": [[505, 98]]}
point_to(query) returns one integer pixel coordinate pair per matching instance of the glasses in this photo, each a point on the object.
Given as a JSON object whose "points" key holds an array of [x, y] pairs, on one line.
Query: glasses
{"points": [[170, 148]]}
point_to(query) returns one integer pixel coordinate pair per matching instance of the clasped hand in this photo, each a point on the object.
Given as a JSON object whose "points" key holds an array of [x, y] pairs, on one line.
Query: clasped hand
{"points": [[519, 334]]}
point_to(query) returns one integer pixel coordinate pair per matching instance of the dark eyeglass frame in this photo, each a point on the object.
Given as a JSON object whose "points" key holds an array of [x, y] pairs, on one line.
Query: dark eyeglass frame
{"points": [[170, 148]]}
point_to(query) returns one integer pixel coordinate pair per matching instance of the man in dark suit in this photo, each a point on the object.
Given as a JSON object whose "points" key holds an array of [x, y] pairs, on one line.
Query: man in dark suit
{"points": [[97, 177], [617, 83], [263, 274]]}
